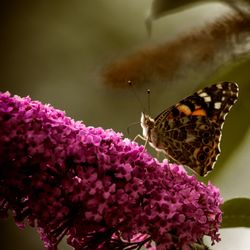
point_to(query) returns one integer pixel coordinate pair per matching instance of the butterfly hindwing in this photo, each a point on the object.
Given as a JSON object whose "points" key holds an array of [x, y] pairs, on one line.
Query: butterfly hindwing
{"points": [[190, 131], [195, 143]]}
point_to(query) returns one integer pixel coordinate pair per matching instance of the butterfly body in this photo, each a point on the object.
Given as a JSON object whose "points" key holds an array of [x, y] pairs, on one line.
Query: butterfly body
{"points": [[190, 131]]}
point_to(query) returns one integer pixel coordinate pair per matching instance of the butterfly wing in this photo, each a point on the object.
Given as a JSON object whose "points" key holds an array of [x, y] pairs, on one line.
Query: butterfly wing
{"points": [[190, 131]]}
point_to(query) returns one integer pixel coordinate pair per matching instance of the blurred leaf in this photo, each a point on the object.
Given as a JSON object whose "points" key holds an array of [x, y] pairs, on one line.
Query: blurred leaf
{"points": [[161, 8], [236, 213]]}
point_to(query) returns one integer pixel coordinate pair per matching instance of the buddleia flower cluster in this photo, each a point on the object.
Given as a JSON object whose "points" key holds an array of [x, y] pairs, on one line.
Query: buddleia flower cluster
{"points": [[94, 187]]}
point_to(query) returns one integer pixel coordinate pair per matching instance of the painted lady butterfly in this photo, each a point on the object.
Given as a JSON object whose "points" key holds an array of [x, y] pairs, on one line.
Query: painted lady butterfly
{"points": [[190, 131]]}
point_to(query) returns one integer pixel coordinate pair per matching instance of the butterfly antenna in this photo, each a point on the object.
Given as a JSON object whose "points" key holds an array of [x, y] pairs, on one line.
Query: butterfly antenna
{"points": [[148, 92], [135, 94]]}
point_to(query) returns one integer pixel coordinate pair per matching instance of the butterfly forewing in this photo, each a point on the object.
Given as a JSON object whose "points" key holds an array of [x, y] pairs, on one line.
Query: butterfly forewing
{"points": [[190, 131]]}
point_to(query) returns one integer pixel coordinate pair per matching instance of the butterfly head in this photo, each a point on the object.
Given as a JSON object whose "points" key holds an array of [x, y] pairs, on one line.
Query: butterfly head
{"points": [[147, 123]]}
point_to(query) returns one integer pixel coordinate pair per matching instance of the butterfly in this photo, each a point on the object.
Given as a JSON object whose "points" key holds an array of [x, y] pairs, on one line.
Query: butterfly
{"points": [[189, 132]]}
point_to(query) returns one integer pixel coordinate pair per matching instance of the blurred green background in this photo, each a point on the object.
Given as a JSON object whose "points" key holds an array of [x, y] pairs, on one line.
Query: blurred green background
{"points": [[54, 52]]}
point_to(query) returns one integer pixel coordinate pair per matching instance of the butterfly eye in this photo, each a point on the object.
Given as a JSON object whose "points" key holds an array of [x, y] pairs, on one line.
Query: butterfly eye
{"points": [[205, 140], [201, 157], [206, 149], [205, 137]]}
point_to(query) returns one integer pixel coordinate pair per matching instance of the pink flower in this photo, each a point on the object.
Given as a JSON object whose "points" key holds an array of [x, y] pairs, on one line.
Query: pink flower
{"points": [[98, 189]]}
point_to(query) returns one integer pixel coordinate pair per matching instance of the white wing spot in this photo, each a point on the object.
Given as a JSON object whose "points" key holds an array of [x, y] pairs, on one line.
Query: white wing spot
{"points": [[207, 99], [217, 105], [223, 98], [219, 86], [203, 94]]}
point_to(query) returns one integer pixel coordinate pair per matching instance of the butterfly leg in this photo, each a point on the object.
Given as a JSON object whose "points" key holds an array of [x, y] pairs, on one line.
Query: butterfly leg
{"points": [[142, 138], [139, 136], [145, 144]]}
